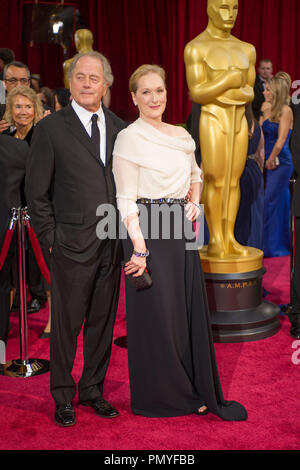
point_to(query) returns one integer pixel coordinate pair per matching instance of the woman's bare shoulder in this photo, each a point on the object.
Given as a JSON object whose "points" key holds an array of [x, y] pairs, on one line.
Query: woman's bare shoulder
{"points": [[287, 110]]}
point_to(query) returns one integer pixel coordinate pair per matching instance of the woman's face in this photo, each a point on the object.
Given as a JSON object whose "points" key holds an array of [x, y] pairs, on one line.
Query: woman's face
{"points": [[151, 96], [22, 111], [268, 94]]}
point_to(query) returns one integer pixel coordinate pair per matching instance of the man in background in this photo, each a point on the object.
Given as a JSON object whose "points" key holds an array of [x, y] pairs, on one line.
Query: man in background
{"points": [[265, 73], [295, 296], [14, 74], [17, 74]]}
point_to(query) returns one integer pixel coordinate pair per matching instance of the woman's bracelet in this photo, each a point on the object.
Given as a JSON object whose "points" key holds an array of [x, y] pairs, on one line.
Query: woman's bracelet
{"points": [[197, 205], [141, 255]]}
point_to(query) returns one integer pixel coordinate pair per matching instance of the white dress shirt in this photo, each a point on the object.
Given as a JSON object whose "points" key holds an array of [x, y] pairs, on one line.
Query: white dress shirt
{"points": [[86, 120]]}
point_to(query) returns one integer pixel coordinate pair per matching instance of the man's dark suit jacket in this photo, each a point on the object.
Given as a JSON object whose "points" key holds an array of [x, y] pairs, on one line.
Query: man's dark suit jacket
{"points": [[259, 97], [13, 156], [67, 182], [295, 150]]}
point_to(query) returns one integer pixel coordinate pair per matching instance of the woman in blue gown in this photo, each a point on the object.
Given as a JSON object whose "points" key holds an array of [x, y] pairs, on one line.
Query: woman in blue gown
{"points": [[277, 124]]}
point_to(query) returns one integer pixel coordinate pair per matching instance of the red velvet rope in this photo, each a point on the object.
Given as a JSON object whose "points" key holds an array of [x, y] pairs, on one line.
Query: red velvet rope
{"points": [[6, 245], [38, 252]]}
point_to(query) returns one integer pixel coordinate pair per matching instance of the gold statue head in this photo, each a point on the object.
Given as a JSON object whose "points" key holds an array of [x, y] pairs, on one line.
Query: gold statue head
{"points": [[84, 40], [222, 14]]}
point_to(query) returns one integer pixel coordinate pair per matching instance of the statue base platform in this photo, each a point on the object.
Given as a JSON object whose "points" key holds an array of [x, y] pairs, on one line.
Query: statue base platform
{"points": [[234, 291], [232, 263]]}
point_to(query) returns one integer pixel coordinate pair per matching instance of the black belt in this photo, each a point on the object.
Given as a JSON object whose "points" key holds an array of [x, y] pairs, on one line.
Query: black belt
{"points": [[163, 200]]}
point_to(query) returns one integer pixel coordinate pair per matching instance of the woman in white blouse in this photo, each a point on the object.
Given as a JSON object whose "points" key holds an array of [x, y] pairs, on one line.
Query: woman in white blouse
{"points": [[172, 366]]}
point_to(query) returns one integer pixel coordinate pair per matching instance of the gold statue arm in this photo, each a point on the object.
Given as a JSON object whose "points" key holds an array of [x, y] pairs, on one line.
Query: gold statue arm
{"points": [[204, 90], [251, 71]]}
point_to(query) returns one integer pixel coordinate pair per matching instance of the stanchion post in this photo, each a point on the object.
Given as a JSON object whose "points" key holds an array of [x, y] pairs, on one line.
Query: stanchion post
{"points": [[23, 367], [22, 287]]}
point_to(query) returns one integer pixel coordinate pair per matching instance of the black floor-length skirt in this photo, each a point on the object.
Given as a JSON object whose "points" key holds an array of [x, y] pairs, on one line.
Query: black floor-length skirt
{"points": [[172, 365]]}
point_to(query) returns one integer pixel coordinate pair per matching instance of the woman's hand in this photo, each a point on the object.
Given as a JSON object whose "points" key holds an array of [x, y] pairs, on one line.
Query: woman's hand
{"points": [[192, 211], [136, 265], [46, 113], [189, 194], [271, 164]]}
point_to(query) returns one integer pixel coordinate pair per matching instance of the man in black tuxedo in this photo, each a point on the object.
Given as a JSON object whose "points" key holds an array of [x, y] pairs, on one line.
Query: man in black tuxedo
{"points": [[265, 72], [13, 156], [295, 300], [69, 177]]}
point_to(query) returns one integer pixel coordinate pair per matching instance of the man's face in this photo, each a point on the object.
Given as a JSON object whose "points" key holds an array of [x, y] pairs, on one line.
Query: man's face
{"points": [[265, 70], [16, 76], [223, 13], [87, 84]]}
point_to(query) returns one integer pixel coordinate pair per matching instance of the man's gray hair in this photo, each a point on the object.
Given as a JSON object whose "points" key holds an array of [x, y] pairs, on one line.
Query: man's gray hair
{"points": [[107, 72], [17, 64]]}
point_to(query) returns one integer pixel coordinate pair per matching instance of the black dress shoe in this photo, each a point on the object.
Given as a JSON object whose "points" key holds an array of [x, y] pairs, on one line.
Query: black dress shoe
{"points": [[65, 415], [34, 306], [102, 407]]}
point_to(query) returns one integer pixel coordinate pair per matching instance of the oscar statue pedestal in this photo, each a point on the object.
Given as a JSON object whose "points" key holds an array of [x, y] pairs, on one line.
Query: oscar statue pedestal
{"points": [[234, 291]]}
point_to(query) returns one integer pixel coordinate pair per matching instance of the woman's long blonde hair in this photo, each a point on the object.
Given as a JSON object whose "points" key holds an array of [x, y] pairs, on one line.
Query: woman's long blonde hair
{"points": [[281, 96], [28, 93]]}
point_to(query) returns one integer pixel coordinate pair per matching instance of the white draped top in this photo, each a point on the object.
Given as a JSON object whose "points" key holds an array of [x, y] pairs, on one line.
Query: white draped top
{"points": [[150, 164]]}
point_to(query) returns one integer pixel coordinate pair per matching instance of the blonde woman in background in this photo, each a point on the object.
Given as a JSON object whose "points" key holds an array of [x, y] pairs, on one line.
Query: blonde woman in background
{"points": [[277, 124], [23, 110]]}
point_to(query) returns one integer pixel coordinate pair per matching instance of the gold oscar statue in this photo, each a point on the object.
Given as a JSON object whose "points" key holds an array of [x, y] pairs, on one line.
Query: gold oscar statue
{"points": [[220, 72], [84, 43]]}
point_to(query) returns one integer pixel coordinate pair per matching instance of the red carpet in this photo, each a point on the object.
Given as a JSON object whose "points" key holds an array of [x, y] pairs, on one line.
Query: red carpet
{"points": [[261, 375]]}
